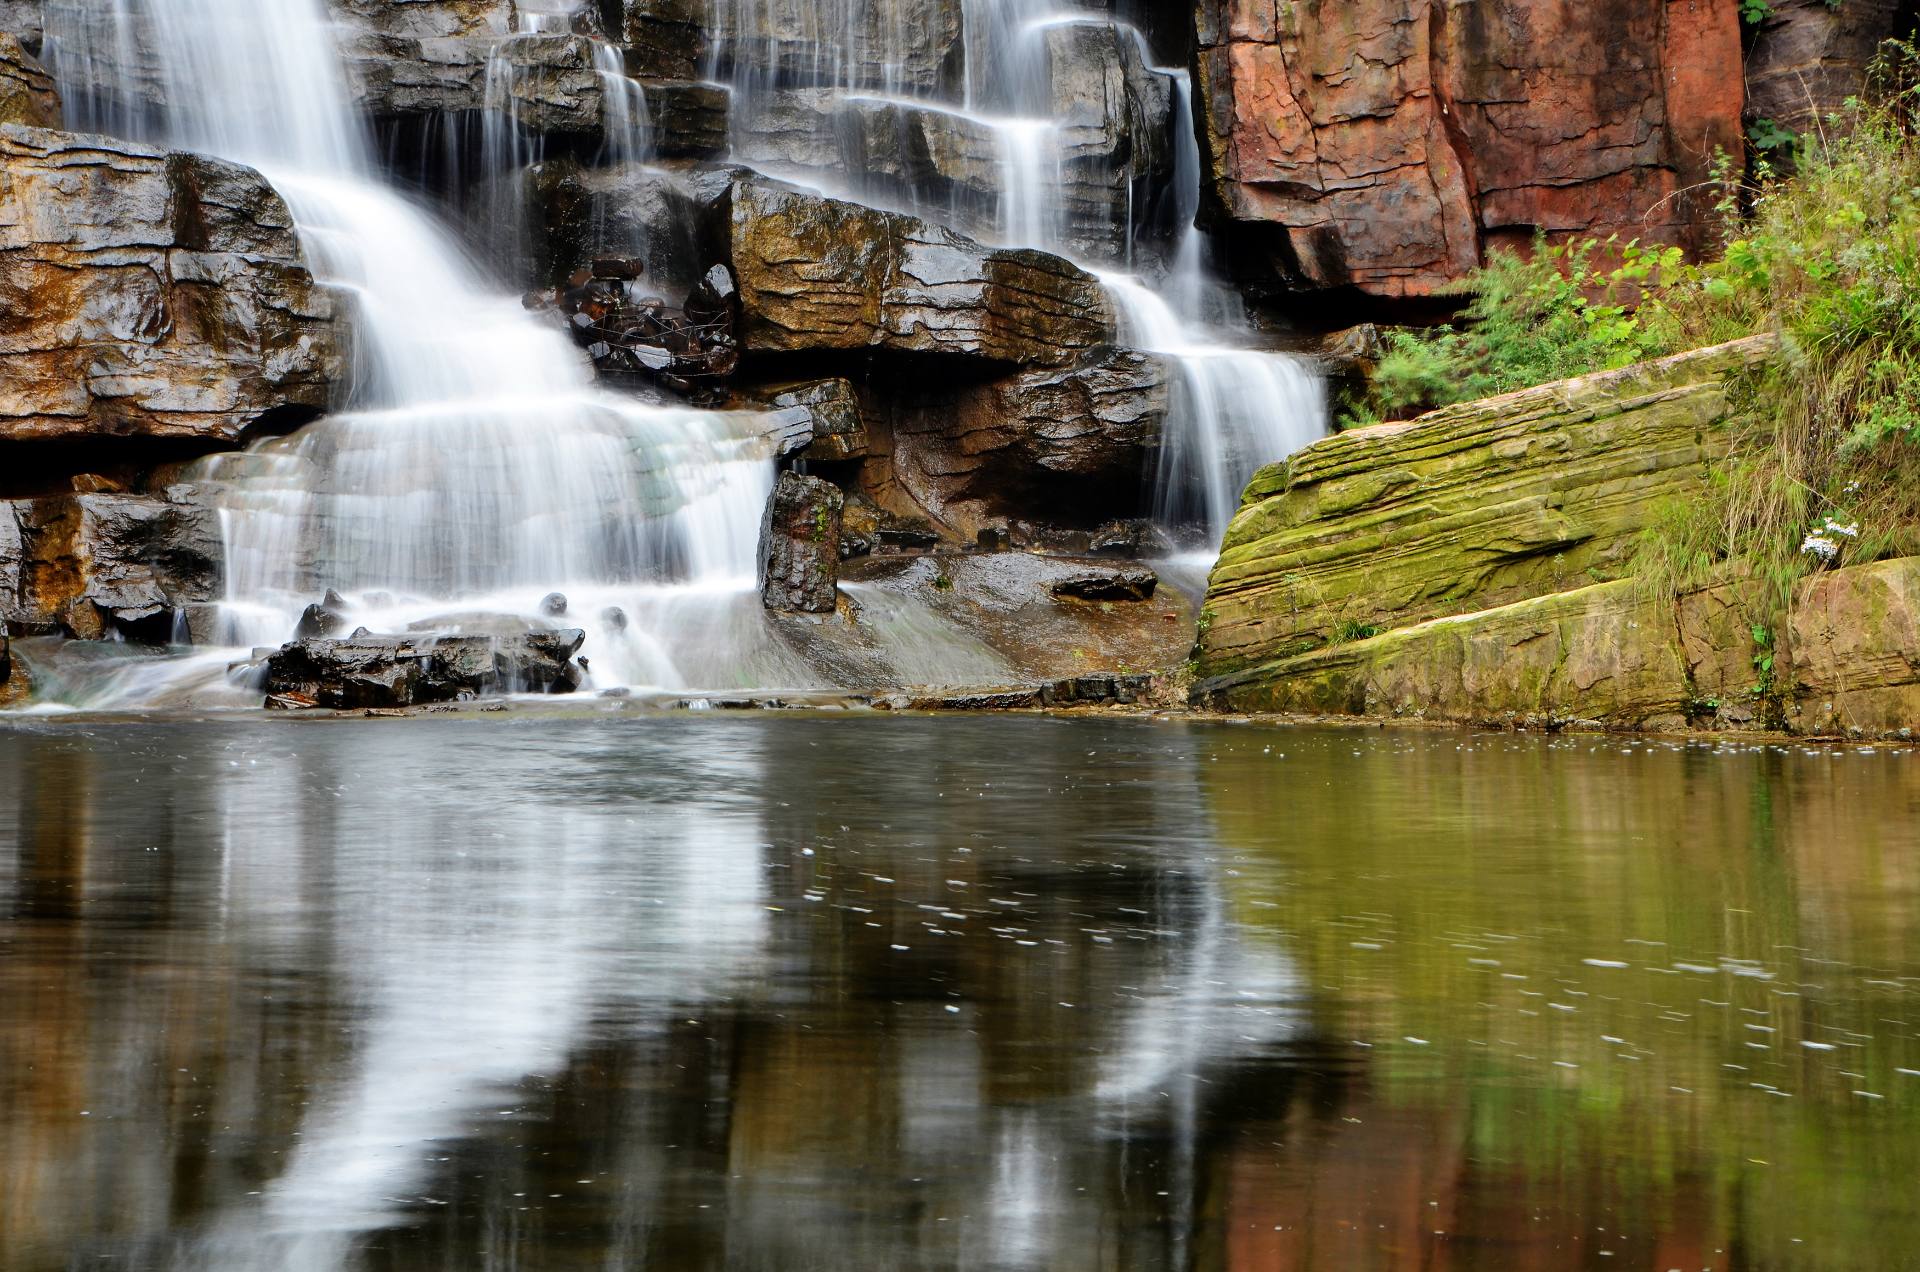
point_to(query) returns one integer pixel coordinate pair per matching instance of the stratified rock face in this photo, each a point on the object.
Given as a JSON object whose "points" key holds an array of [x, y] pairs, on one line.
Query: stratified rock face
{"points": [[405, 671], [89, 565], [150, 294], [1069, 446], [27, 94], [1809, 56], [1116, 144], [898, 47], [1386, 143], [1465, 509], [820, 419], [1854, 643], [800, 546], [666, 39], [822, 274]]}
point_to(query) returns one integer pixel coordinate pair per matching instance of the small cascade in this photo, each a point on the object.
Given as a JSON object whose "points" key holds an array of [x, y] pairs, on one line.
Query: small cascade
{"points": [[473, 464]]}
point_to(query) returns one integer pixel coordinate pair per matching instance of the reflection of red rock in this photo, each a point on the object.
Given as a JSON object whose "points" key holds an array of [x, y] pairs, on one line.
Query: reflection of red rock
{"points": [[1388, 142]]}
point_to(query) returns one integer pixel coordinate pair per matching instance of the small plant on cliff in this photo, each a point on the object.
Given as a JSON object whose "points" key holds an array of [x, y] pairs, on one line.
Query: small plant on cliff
{"points": [[1828, 434], [1534, 319]]}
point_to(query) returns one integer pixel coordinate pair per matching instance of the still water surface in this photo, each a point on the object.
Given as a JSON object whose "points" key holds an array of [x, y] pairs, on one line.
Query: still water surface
{"points": [[778, 992]]}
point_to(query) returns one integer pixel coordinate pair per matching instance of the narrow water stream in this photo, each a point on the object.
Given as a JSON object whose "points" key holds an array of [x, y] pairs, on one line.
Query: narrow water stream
{"points": [[749, 992]]}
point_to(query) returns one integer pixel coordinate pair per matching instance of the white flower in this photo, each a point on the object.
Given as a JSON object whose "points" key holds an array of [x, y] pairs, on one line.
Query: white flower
{"points": [[1850, 531], [1819, 545]]}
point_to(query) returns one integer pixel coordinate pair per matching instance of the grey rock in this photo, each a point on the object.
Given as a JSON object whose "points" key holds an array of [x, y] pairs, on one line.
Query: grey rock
{"points": [[90, 565], [27, 93], [800, 546], [409, 670], [1119, 584]]}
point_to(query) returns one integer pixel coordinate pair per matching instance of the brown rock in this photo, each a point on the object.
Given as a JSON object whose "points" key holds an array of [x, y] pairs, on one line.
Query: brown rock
{"points": [[1854, 644], [93, 564], [151, 294], [818, 273], [800, 546], [1386, 144], [663, 38], [27, 93]]}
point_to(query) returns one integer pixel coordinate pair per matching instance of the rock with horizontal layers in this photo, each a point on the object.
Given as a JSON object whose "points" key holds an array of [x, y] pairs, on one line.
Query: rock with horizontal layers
{"points": [[687, 119], [92, 565], [821, 274], [1464, 509], [800, 546], [1854, 648], [906, 48], [1810, 56], [27, 93], [151, 294], [367, 670], [666, 39], [1386, 144], [819, 419], [1063, 445], [1109, 583], [1603, 655]]}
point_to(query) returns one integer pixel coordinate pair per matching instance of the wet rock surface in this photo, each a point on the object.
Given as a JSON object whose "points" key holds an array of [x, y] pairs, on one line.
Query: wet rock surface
{"points": [[94, 565], [818, 274], [901, 47], [800, 546], [376, 671], [1106, 583], [150, 294], [1385, 144], [27, 94]]}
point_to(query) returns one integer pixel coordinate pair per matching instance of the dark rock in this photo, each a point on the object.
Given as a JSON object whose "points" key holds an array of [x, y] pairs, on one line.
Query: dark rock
{"points": [[1119, 584], [319, 620], [94, 564], [150, 294], [1098, 689], [906, 47], [1810, 56], [27, 93], [820, 419], [688, 118], [993, 539], [365, 670], [663, 38], [818, 274], [1132, 537], [800, 546], [1026, 698], [906, 535], [553, 604]]}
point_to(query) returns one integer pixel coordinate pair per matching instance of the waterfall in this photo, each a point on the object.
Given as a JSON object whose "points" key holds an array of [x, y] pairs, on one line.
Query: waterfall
{"points": [[473, 462]]}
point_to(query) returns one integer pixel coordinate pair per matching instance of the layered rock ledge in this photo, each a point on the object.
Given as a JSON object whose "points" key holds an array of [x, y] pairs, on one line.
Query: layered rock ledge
{"points": [[152, 294]]}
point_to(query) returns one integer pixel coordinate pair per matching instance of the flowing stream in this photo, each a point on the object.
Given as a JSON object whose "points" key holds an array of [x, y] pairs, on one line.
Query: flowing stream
{"points": [[473, 466]]}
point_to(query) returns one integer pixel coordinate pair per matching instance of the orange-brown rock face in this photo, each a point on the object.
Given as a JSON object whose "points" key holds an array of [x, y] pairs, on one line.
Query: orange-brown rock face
{"points": [[1386, 144]]}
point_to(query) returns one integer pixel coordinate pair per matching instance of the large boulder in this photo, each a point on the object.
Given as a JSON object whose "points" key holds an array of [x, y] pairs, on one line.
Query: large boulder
{"points": [[1464, 509], [800, 546], [27, 93], [366, 670], [1385, 144], [820, 274], [151, 294], [1854, 649], [1810, 56], [92, 565]]}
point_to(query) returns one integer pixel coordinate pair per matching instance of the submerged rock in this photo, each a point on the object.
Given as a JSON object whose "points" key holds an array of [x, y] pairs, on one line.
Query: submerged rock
{"points": [[91, 565], [150, 294], [366, 670], [800, 546]]}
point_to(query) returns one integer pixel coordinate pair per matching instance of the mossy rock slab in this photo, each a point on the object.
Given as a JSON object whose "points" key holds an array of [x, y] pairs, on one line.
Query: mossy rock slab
{"points": [[1465, 509], [1854, 645]]}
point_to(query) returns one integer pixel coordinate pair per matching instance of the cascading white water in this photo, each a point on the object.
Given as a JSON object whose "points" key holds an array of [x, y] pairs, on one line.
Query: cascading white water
{"points": [[474, 465]]}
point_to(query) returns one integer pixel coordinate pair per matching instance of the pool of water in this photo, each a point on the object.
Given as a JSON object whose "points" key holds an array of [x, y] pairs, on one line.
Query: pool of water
{"points": [[797, 992]]}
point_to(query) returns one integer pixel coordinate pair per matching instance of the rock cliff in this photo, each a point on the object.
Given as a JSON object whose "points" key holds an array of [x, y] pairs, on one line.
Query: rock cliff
{"points": [[1384, 145]]}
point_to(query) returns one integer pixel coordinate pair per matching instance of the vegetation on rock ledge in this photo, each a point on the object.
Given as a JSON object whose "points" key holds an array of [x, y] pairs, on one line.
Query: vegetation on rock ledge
{"points": [[1825, 467]]}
